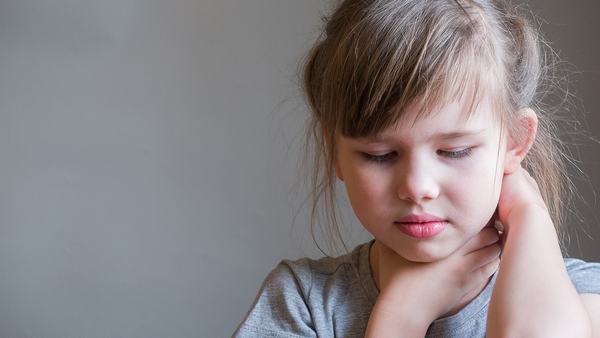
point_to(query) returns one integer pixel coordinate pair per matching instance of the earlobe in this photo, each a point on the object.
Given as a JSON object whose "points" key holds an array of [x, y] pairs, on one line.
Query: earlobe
{"points": [[517, 149], [511, 164]]}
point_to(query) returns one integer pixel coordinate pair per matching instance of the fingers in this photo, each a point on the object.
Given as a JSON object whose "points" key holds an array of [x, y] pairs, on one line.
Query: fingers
{"points": [[480, 258], [482, 250], [485, 237], [483, 263], [487, 270], [479, 277]]}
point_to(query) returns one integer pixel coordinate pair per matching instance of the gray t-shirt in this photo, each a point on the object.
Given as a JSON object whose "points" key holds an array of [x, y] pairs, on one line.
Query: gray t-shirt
{"points": [[333, 297]]}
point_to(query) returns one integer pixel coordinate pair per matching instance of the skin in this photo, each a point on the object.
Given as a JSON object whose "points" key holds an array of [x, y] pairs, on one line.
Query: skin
{"points": [[421, 175], [533, 295], [406, 302], [425, 173], [421, 280]]}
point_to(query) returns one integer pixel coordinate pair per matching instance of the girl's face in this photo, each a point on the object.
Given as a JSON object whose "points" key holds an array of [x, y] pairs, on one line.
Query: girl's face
{"points": [[444, 166]]}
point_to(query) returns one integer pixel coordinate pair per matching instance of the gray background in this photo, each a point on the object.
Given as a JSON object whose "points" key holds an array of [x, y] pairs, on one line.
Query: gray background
{"points": [[149, 155]]}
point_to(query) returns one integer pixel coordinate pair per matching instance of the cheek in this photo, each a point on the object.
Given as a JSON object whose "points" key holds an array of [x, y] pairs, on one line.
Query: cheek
{"points": [[367, 192], [474, 193]]}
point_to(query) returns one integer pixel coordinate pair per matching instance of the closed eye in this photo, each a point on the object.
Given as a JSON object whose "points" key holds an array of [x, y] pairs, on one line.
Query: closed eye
{"points": [[379, 158], [456, 154], [453, 155]]}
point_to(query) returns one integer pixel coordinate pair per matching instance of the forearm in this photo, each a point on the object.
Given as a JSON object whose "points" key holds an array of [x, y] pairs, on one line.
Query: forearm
{"points": [[393, 322], [533, 295]]}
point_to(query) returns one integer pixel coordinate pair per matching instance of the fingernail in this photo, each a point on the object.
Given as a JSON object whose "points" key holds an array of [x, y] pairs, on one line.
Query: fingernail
{"points": [[499, 227]]}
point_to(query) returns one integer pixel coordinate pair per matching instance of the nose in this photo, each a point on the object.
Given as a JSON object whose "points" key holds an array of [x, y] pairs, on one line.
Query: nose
{"points": [[416, 181]]}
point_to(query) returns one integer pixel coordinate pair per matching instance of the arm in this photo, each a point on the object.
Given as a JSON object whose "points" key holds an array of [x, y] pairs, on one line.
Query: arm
{"points": [[591, 301], [406, 305], [533, 295], [391, 322]]}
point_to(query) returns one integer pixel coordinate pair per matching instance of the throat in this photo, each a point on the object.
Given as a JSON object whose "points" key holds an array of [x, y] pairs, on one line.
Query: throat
{"points": [[375, 272]]}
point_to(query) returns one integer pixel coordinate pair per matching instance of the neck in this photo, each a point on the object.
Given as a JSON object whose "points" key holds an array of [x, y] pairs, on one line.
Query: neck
{"points": [[374, 262]]}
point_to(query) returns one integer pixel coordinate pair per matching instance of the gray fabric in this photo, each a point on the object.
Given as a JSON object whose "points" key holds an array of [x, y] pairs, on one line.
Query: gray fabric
{"points": [[333, 297]]}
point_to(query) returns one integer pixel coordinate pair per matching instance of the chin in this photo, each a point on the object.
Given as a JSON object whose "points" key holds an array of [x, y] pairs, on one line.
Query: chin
{"points": [[422, 259], [424, 255]]}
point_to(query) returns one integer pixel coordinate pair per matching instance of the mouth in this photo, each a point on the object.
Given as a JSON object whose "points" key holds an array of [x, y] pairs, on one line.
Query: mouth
{"points": [[420, 218], [422, 229]]}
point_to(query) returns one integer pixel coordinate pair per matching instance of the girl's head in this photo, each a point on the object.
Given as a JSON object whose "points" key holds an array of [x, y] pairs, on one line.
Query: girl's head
{"points": [[405, 72]]}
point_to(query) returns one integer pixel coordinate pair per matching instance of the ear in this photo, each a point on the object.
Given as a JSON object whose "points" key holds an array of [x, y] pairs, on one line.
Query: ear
{"points": [[517, 149], [338, 170]]}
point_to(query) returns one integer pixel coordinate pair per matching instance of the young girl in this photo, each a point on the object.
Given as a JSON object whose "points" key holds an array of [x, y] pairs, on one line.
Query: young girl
{"points": [[426, 110]]}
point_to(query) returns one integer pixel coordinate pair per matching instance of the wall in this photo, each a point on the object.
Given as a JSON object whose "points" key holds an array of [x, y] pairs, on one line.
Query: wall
{"points": [[149, 155]]}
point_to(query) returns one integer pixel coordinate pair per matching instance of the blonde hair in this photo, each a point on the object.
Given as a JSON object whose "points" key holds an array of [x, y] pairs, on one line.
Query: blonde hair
{"points": [[376, 57]]}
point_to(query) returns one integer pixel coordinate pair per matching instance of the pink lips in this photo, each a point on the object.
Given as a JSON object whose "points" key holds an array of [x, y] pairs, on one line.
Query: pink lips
{"points": [[421, 226]]}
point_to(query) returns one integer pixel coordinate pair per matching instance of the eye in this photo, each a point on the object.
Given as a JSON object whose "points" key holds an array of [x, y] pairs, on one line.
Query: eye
{"points": [[386, 158], [456, 154], [379, 158]]}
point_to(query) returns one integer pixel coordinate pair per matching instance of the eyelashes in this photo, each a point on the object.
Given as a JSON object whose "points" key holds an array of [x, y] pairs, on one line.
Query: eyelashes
{"points": [[378, 158], [457, 154], [453, 155]]}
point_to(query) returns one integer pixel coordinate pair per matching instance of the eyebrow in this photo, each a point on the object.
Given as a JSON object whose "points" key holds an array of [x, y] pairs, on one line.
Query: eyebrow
{"points": [[438, 136]]}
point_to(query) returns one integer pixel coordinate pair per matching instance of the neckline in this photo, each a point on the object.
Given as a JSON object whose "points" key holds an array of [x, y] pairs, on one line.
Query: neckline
{"points": [[453, 322]]}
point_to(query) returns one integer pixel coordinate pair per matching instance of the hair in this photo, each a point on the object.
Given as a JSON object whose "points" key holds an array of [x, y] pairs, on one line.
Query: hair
{"points": [[374, 58]]}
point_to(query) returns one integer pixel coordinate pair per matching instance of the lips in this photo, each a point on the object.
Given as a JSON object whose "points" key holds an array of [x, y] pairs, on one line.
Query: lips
{"points": [[421, 226], [422, 230], [422, 218]]}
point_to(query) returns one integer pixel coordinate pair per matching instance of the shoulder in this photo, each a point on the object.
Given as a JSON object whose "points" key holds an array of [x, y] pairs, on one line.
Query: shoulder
{"points": [[309, 274], [287, 272], [584, 275], [309, 278], [280, 308], [296, 295]]}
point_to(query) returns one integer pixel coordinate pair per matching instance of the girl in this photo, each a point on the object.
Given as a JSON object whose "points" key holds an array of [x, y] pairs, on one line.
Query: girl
{"points": [[426, 111]]}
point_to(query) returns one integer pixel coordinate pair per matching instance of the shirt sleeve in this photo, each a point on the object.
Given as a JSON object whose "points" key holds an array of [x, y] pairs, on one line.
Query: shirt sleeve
{"points": [[584, 275], [280, 309]]}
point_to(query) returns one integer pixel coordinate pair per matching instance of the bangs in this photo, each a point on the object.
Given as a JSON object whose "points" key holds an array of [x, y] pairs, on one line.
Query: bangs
{"points": [[469, 80], [424, 68]]}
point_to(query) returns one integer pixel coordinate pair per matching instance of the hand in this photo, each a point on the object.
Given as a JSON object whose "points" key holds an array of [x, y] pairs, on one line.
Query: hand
{"points": [[432, 290], [519, 193]]}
